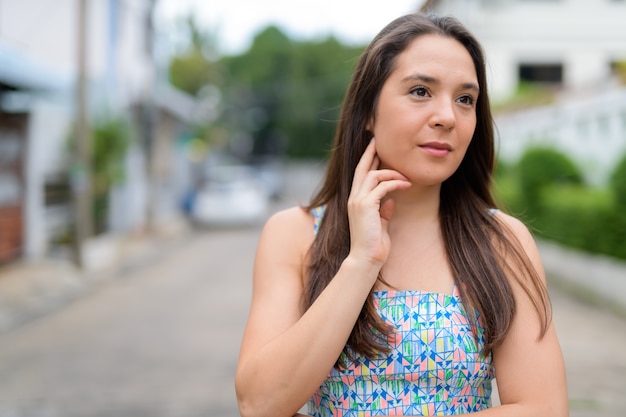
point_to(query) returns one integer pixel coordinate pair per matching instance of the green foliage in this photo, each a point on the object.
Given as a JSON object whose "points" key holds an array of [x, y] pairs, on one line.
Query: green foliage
{"points": [[195, 67], [506, 190], [191, 71], [565, 211], [287, 94], [575, 215], [321, 78], [542, 166], [618, 183], [111, 138]]}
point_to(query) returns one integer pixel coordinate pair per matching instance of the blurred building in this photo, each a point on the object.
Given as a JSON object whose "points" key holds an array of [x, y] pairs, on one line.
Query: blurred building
{"points": [[34, 113], [571, 43], [38, 72]]}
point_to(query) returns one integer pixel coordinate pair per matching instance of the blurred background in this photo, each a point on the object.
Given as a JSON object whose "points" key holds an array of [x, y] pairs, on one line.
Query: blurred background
{"points": [[143, 143]]}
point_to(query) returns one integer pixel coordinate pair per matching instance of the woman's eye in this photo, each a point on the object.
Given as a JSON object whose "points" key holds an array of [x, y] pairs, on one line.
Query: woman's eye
{"points": [[469, 100], [420, 91]]}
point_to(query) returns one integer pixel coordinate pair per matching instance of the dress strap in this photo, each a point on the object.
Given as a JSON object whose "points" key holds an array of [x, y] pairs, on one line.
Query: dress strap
{"points": [[455, 290], [318, 215]]}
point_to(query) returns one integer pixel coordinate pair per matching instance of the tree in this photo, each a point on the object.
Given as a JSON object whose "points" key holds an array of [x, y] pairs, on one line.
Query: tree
{"points": [[195, 67], [286, 94]]}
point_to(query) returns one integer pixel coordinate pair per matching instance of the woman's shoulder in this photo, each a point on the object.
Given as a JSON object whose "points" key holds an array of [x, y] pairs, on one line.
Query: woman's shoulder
{"points": [[292, 218], [519, 234], [289, 229], [513, 225]]}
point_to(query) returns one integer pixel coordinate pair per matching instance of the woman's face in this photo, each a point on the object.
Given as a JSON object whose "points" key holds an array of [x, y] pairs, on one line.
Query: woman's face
{"points": [[426, 111]]}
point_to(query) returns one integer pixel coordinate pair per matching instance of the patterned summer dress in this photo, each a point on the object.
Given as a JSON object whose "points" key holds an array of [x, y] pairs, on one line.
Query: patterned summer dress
{"points": [[435, 367]]}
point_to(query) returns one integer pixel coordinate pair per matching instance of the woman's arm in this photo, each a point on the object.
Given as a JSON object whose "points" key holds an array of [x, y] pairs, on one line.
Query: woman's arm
{"points": [[530, 370], [285, 353]]}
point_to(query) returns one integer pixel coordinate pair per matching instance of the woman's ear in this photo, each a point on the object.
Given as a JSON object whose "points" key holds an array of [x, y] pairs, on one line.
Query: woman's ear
{"points": [[370, 125]]}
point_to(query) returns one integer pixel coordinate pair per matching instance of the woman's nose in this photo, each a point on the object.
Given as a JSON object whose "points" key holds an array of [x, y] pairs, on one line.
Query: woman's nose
{"points": [[443, 115]]}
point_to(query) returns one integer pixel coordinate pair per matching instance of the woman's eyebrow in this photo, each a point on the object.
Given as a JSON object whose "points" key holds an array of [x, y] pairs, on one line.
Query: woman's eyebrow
{"points": [[420, 77], [432, 80]]}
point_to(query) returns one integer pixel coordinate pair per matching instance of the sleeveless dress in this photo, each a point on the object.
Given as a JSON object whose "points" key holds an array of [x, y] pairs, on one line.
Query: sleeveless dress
{"points": [[435, 367]]}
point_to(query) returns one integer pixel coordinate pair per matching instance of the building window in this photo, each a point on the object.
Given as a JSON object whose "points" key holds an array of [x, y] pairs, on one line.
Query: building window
{"points": [[541, 73]]}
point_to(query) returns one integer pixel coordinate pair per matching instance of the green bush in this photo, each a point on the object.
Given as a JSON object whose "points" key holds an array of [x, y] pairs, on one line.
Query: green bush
{"points": [[111, 138], [578, 217], [540, 167], [506, 191], [556, 205], [618, 183]]}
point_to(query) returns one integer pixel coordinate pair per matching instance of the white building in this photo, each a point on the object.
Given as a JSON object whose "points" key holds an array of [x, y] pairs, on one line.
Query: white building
{"points": [[118, 37], [574, 43], [38, 72]]}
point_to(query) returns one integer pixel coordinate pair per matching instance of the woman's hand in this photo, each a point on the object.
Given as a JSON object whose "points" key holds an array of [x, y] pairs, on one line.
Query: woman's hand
{"points": [[369, 210]]}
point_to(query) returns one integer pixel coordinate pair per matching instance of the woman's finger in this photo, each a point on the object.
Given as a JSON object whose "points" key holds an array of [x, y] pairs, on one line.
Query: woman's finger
{"points": [[379, 176], [375, 163], [365, 164], [383, 188]]}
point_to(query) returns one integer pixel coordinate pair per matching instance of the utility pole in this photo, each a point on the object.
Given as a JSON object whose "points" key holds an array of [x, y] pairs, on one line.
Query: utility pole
{"points": [[81, 177], [148, 119]]}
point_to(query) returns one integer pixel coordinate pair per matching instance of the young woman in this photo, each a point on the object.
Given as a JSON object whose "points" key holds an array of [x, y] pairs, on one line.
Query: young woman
{"points": [[401, 290]]}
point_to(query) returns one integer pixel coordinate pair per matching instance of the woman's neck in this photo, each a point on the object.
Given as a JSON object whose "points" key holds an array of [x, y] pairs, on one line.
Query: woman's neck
{"points": [[416, 204]]}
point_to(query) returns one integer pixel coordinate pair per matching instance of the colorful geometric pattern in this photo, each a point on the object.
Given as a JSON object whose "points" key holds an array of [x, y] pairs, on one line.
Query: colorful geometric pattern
{"points": [[435, 366]]}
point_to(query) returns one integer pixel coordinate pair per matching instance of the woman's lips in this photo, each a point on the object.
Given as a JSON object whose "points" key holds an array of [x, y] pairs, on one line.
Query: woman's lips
{"points": [[438, 149]]}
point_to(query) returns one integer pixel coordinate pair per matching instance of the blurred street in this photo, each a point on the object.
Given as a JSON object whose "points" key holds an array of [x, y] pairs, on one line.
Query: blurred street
{"points": [[162, 340], [141, 154]]}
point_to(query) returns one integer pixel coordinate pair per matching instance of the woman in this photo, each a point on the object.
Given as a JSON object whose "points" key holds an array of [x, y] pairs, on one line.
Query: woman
{"points": [[400, 290]]}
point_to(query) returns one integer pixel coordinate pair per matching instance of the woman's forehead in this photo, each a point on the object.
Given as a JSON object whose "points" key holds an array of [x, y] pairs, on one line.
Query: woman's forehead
{"points": [[436, 58]]}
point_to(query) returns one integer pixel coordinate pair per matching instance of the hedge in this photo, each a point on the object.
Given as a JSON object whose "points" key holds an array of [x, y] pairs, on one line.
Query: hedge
{"points": [[566, 211]]}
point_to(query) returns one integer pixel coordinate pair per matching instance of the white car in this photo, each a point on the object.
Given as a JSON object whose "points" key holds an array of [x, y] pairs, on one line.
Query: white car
{"points": [[232, 195]]}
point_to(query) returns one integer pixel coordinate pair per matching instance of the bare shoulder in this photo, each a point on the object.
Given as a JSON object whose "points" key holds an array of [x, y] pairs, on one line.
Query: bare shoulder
{"points": [[516, 228], [295, 216], [278, 278], [294, 221], [515, 224], [520, 236], [289, 231]]}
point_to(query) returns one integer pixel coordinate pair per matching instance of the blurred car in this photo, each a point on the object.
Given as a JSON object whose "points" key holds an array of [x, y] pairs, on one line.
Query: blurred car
{"points": [[231, 195], [271, 172]]}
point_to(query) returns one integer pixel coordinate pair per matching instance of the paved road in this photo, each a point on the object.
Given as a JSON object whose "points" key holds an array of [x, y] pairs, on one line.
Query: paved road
{"points": [[162, 341], [159, 341]]}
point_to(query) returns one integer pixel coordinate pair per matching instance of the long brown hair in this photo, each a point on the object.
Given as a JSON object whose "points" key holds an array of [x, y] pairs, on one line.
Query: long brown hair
{"points": [[475, 241]]}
